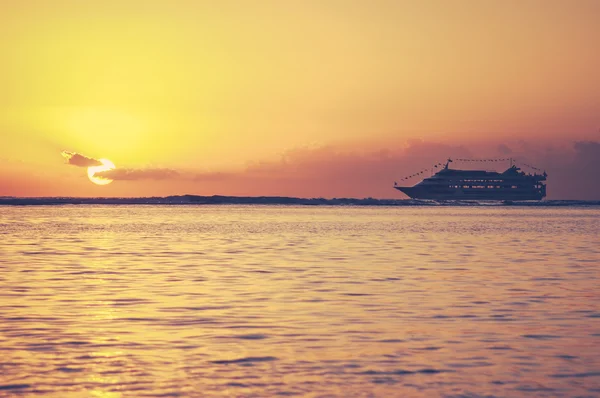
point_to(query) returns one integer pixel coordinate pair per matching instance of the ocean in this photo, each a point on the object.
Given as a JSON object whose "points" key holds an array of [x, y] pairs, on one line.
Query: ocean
{"points": [[335, 301]]}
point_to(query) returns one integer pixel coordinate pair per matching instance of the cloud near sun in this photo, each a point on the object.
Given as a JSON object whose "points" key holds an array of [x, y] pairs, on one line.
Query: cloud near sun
{"points": [[139, 174], [79, 160], [102, 171]]}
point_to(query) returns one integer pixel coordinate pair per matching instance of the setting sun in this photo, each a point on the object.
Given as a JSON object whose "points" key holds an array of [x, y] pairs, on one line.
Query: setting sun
{"points": [[106, 166]]}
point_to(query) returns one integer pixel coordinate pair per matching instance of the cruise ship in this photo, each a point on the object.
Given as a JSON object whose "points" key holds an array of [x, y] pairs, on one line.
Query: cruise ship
{"points": [[452, 184]]}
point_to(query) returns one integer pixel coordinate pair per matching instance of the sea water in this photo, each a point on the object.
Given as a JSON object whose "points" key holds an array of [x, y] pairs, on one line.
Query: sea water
{"points": [[259, 301]]}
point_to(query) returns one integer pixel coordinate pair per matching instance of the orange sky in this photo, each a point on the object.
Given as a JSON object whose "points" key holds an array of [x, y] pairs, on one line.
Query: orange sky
{"points": [[218, 87]]}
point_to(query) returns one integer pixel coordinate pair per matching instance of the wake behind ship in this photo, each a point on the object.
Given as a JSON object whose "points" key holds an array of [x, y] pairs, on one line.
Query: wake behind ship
{"points": [[451, 184]]}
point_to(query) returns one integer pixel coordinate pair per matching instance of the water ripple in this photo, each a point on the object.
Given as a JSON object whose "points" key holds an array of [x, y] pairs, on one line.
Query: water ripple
{"points": [[259, 301]]}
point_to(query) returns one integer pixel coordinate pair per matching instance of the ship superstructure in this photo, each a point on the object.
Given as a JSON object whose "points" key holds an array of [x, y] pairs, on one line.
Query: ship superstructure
{"points": [[452, 184]]}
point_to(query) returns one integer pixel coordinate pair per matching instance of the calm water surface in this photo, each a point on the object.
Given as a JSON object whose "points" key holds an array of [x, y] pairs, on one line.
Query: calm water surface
{"points": [[134, 301]]}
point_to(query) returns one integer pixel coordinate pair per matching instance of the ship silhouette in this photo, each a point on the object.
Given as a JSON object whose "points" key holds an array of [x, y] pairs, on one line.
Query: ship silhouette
{"points": [[452, 184]]}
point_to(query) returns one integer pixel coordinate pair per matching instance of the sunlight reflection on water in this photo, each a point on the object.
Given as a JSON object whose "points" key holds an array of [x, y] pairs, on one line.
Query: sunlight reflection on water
{"points": [[112, 301]]}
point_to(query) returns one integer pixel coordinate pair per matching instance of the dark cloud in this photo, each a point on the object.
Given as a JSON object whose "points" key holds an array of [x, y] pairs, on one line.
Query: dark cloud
{"points": [[588, 152], [573, 172], [139, 174], [79, 160], [504, 149], [215, 176], [130, 174]]}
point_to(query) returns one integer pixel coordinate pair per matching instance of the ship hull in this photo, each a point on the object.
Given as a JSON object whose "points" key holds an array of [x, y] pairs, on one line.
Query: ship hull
{"points": [[470, 194]]}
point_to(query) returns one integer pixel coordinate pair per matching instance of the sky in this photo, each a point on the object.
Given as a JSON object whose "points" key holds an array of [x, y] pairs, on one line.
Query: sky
{"points": [[304, 98]]}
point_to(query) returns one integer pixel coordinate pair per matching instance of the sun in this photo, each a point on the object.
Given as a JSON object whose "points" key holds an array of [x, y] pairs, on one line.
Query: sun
{"points": [[105, 166]]}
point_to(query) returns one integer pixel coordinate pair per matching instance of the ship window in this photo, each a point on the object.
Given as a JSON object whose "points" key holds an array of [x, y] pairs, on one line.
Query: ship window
{"points": [[465, 186], [514, 187]]}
